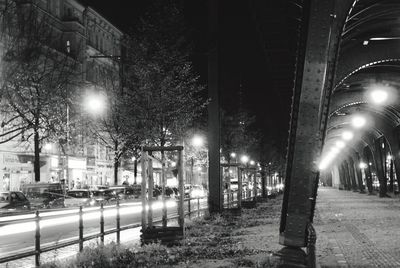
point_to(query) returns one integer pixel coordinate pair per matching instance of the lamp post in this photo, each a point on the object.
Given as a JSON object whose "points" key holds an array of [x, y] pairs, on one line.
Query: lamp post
{"points": [[66, 167], [197, 142]]}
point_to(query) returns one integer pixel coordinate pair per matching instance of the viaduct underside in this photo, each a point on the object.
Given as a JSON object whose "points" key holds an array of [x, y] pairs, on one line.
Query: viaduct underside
{"points": [[346, 109]]}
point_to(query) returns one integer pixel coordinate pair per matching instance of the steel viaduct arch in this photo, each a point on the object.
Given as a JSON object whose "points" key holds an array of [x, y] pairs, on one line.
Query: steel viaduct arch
{"points": [[348, 48]]}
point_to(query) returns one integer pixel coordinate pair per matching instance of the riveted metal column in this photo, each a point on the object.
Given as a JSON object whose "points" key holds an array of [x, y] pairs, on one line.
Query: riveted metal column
{"points": [[347, 175], [359, 173], [353, 175], [395, 148], [308, 114], [343, 183], [379, 165], [368, 171]]}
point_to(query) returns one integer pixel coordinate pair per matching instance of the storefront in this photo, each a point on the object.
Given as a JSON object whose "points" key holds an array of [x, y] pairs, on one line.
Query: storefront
{"points": [[17, 169], [77, 172], [104, 173]]}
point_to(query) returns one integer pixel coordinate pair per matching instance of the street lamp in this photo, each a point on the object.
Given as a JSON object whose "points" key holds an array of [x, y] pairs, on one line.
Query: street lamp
{"points": [[197, 141], [340, 144], [347, 135], [358, 121], [244, 159], [363, 165], [381, 93], [379, 96], [95, 104]]}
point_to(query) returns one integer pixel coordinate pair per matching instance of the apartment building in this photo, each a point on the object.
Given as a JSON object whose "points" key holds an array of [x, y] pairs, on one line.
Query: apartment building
{"points": [[89, 39]]}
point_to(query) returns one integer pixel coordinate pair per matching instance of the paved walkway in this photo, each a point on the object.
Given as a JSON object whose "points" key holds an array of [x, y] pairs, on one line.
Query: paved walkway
{"points": [[357, 230]]}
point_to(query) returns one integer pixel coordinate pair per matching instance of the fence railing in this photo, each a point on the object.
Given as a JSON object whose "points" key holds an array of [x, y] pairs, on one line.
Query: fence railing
{"points": [[38, 218]]}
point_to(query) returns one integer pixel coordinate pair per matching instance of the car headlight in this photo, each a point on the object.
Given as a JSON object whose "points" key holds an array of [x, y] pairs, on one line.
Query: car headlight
{"points": [[92, 202]]}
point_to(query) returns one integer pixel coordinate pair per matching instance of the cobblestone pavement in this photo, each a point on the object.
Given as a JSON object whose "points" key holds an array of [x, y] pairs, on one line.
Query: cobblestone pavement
{"points": [[357, 230]]}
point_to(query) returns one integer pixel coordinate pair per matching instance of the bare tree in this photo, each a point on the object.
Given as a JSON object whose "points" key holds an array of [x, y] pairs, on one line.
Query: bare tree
{"points": [[168, 96], [236, 134], [38, 77], [115, 127]]}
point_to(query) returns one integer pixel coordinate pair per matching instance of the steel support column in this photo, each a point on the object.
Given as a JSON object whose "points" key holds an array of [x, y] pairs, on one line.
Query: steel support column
{"points": [[308, 117], [359, 173], [347, 176], [368, 173], [379, 165], [352, 175]]}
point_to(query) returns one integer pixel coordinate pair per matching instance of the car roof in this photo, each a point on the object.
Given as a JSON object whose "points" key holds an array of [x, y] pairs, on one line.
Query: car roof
{"points": [[79, 190]]}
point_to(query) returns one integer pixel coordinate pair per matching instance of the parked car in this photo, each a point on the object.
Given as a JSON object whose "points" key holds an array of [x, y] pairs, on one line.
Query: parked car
{"points": [[120, 192], [136, 190], [44, 195], [101, 187], [81, 197], [13, 201], [104, 196]]}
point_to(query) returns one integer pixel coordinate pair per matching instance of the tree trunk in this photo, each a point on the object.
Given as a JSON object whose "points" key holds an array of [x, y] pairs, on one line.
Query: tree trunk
{"points": [[263, 184], [36, 164], [116, 163]]}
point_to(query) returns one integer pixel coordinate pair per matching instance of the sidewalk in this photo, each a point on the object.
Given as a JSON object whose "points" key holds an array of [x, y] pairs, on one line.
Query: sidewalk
{"points": [[357, 230]]}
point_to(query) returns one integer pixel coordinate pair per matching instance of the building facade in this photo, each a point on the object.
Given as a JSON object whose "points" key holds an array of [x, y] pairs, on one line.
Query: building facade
{"points": [[86, 36]]}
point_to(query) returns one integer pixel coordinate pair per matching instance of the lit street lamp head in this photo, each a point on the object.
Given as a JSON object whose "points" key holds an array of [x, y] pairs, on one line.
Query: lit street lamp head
{"points": [[358, 121], [347, 135], [95, 104], [363, 165], [244, 159], [197, 141], [340, 144], [379, 96]]}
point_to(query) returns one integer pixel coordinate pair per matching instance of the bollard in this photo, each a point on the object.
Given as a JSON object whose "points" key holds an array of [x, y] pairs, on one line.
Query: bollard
{"points": [[118, 223], [80, 229], [102, 224], [37, 239]]}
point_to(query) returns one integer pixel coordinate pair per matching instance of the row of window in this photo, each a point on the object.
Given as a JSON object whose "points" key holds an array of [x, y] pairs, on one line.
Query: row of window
{"points": [[104, 42]]}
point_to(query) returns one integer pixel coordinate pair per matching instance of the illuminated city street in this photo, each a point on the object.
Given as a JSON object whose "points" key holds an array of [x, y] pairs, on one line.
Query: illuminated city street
{"points": [[215, 133]]}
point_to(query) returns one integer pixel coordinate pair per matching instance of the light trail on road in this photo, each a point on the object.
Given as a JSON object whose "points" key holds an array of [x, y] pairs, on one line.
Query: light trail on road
{"points": [[109, 211]]}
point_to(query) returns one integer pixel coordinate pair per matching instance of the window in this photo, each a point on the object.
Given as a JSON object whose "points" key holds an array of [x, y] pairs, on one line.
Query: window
{"points": [[21, 196]]}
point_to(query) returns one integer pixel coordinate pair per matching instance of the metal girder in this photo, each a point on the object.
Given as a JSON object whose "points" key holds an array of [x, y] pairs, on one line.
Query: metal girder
{"points": [[305, 133], [382, 125], [379, 168], [346, 99], [356, 58]]}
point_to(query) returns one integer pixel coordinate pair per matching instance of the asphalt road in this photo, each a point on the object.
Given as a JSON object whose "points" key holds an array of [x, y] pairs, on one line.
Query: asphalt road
{"points": [[19, 237]]}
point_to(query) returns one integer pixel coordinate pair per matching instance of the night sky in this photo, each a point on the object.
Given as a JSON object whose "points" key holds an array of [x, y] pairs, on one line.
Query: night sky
{"points": [[246, 66]]}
